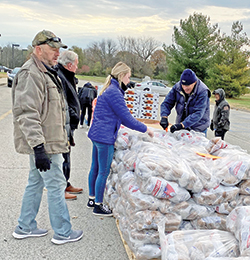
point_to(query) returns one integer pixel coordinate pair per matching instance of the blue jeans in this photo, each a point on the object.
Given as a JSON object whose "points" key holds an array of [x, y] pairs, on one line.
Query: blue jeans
{"points": [[55, 183], [102, 156]]}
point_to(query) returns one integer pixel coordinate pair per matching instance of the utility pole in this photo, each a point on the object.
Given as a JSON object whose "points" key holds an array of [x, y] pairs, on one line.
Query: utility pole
{"points": [[13, 60]]}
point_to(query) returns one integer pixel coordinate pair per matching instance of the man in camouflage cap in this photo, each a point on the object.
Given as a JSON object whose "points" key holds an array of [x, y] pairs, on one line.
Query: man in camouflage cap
{"points": [[39, 130], [48, 38]]}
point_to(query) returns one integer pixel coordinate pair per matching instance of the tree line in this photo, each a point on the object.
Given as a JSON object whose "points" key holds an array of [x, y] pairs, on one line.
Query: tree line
{"points": [[219, 60], [143, 55]]}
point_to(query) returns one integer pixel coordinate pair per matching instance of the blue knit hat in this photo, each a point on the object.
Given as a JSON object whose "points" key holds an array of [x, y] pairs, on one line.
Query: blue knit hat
{"points": [[188, 77]]}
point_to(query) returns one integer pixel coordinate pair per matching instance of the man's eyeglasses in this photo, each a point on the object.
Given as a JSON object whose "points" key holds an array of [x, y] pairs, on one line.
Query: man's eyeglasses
{"points": [[53, 39]]}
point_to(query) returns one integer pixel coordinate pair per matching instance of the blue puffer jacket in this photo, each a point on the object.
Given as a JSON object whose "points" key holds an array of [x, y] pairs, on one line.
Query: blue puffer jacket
{"points": [[197, 106], [110, 112]]}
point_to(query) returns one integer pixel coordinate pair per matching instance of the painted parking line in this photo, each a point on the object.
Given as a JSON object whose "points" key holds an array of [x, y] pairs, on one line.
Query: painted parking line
{"points": [[5, 114]]}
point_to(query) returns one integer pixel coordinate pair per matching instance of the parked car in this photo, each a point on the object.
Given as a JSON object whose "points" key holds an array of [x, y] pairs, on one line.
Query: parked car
{"points": [[153, 86], [4, 69], [11, 76]]}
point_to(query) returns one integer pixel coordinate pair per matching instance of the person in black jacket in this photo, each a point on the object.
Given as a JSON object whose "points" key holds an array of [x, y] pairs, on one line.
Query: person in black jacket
{"points": [[66, 68], [86, 96], [220, 123]]}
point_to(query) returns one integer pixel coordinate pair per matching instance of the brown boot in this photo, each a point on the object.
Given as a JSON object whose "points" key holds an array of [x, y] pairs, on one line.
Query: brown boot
{"points": [[70, 196], [73, 190]]}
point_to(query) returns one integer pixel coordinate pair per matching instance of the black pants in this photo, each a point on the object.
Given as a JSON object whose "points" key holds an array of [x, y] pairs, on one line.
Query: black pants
{"points": [[83, 108], [66, 167], [221, 133]]}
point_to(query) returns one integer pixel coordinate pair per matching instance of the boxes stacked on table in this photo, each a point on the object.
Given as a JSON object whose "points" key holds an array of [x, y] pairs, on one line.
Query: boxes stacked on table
{"points": [[165, 179], [142, 104], [133, 102]]}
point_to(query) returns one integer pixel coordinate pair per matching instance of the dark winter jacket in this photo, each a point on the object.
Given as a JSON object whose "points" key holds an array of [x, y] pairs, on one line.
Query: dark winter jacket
{"points": [[221, 112], [69, 84], [87, 94], [110, 112], [196, 108]]}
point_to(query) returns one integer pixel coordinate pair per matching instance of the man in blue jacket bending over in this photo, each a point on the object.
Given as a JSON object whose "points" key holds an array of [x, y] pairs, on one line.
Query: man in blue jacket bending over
{"points": [[190, 96]]}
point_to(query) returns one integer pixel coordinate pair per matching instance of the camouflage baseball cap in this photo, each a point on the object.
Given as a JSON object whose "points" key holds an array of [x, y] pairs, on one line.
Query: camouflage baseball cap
{"points": [[47, 37]]}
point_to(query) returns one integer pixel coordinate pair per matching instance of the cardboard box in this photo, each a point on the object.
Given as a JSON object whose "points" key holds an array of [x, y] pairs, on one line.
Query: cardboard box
{"points": [[142, 104]]}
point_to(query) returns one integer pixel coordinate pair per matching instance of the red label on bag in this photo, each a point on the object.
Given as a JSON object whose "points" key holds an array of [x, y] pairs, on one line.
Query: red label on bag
{"points": [[237, 168], [156, 188], [248, 241], [169, 191]]}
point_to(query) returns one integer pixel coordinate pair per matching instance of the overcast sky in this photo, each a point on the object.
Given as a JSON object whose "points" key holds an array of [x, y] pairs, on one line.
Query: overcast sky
{"points": [[80, 22]]}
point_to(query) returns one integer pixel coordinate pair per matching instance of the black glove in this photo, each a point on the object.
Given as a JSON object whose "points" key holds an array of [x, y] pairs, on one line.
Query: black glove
{"points": [[212, 125], [176, 127], [42, 159], [164, 122]]}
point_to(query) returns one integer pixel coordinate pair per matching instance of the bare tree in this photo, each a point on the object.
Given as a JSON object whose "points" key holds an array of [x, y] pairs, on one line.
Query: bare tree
{"points": [[126, 44], [122, 40], [144, 47], [103, 51], [136, 53]]}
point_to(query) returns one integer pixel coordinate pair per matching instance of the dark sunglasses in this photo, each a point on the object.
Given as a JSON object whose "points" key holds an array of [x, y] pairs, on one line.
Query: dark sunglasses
{"points": [[53, 39]]}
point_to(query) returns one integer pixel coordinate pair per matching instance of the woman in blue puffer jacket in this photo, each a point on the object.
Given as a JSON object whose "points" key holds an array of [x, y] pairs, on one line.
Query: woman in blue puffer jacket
{"points": [[110, 112]]}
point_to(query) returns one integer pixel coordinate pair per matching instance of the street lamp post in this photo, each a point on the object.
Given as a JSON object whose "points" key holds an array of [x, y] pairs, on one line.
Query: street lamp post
{"points": [[13, 60]]}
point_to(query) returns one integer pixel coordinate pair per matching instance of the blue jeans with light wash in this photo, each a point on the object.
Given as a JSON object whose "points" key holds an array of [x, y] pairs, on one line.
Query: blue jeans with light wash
{"points": [[102, 156], [55, 183]]}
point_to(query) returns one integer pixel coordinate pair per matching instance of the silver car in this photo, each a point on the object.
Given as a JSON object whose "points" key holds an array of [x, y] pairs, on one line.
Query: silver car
{"points": [[153, 86]]}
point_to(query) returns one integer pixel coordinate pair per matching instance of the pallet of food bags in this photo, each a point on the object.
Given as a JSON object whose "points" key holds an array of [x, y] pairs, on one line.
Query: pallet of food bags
{"points": [[183, 178], [197, 244]]}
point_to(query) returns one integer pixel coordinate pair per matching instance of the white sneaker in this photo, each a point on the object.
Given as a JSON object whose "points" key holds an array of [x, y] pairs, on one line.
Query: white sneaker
{"points": [[20, 234], [73, 237], [81, 126]]}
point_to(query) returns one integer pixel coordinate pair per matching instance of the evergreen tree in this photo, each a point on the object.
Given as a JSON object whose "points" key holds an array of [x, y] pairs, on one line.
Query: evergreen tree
{"points": [[230, 64], [194, 44]]}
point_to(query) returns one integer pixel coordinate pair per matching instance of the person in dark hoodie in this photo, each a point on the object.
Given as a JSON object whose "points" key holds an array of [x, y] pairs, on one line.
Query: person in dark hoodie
{"points": [[86, 96], [66, 68], [190, 96], [220, 123]]}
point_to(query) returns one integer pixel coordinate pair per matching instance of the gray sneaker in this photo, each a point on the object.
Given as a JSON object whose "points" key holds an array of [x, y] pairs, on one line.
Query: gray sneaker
{"points": [[73, 237], [20, 234]]}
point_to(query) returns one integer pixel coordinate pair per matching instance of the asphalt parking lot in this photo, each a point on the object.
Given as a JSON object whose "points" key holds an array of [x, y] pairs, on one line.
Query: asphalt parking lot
{"points": [[101, 238]]}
